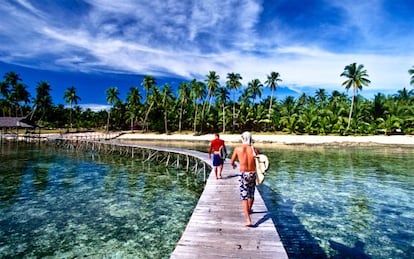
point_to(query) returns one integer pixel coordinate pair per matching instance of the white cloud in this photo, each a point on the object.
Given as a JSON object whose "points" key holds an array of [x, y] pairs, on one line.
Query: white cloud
{"points": [[190, 38]]}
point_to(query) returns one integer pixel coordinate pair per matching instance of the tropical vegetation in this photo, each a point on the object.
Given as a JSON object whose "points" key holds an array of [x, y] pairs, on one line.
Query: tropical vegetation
{"points": [[206, 106]]}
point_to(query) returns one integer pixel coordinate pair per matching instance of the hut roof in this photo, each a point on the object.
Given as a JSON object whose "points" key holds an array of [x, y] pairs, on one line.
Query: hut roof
{"points": [[13, 122]]}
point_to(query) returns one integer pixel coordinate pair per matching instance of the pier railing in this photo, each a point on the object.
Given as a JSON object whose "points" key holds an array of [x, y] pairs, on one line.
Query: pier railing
{"points": [[188, 160]]}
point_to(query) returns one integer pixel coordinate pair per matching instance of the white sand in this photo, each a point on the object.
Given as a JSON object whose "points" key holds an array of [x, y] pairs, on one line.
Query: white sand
{"points": [[398, 140]]}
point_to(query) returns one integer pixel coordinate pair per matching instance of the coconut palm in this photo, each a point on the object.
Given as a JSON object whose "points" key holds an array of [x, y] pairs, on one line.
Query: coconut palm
{"points": [[133, 101], [153, 98], [254, 89], [356, 78], [234, 83], [321, 96], [71, 98], [222, 97], [148, 84], [5, 102], [272, 83], [112, 98], [19, 94], [167, 97], [43, 100], [212, 85], [14, 91], [411, 72], [197, 93], [184, 97]]}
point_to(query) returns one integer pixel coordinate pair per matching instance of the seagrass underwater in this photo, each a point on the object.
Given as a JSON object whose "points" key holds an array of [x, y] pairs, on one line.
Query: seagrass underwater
{"points": [[355, 200]]}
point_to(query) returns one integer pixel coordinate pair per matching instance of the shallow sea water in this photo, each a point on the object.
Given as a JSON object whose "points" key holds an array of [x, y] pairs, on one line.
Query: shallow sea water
{"points": [[354, 202], [326, 202], [55, 203], [339, 202]]}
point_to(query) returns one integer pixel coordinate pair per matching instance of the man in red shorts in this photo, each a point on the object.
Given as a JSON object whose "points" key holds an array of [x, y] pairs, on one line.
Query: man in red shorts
{"points": [[215, 145]]}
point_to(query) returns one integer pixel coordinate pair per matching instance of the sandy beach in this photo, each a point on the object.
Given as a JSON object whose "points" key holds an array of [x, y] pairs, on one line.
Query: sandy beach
{"points": [[397, 140]]}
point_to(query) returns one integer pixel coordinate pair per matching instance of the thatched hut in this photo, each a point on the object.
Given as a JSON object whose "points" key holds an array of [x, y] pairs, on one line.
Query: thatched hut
{"points": [[16, 122], [10, 124]]}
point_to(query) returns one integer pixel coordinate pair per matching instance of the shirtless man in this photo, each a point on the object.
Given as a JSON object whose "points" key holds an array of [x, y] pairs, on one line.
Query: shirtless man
{"points": [[218, 162], [247, 167]]}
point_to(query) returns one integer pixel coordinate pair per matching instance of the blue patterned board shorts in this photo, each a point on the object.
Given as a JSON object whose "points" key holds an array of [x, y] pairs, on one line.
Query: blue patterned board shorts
{"points": [[217, 161], [247, 182]]}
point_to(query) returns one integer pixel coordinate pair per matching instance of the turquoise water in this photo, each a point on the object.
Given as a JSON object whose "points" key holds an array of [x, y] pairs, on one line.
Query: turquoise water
{"points": [[63, 204], [339, 202], [349, 202], [327, 202]]}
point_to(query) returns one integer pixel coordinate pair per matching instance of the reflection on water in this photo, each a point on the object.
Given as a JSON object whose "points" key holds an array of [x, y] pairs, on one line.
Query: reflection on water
{"points": [[65, 204], [349, 202]]}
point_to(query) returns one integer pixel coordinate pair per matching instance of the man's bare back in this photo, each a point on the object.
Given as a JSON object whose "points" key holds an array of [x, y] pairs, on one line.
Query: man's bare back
{"points": [[245, 156]]}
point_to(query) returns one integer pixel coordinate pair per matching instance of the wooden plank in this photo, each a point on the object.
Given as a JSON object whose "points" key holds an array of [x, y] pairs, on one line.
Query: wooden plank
{"points": [[216, 228]]}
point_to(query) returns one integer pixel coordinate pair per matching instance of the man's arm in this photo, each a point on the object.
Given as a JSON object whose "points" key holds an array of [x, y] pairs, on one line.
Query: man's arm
{"points": [[233, 157]]}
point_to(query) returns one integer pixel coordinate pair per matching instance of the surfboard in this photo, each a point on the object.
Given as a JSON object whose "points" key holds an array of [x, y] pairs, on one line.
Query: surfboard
{"points": [[223, 152]]}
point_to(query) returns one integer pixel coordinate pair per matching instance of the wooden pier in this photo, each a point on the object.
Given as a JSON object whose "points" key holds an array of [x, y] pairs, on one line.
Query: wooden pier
{"points": [[216, 228]]}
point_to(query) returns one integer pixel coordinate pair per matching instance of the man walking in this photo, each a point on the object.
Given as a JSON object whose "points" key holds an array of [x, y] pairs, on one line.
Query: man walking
{"points": [[244, 154], [215, 147]]}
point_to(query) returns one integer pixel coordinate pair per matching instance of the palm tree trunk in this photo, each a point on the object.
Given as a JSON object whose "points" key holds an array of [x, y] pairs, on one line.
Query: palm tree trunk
{"points": [[202, 117], [270, 105], [234, 111], [146, 117], [107, 122], [350, 111], [166, 121], [224, 119], [181, 117], [70, 116], [195, 118]]}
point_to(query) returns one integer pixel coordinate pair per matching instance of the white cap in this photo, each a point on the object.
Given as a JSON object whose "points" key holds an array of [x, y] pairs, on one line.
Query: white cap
{"points": [[246, 138]]}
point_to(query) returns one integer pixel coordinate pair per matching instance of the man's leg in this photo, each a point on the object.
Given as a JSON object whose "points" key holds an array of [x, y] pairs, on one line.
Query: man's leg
{"points": [[221, 170], [245, 206], [250, 204]]}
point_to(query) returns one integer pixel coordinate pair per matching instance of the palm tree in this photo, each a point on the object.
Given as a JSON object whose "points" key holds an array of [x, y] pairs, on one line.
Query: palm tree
{"points": [[234, 83], [197, 93], [254, 89], [167, 96], [154, 98], [212, 85], [147, 83], [321, 96], [133, 101], [223, 96], [112, 97], [411, 72], [14, 91], [70, 98], [5, 103], [272, 83], [184, 97], [356, 78], [43, 100]]}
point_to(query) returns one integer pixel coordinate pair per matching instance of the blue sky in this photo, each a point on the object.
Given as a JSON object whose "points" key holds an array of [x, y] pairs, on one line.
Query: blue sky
{"points": [[96, 44]]}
